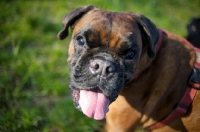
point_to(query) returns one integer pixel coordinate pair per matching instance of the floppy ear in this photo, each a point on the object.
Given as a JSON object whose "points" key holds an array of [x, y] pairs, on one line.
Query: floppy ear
{"points": [[150, 34], [71, 18]]}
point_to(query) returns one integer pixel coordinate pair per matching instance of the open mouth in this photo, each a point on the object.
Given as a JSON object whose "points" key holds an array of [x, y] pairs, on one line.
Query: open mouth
{"points": [[92, 102]]}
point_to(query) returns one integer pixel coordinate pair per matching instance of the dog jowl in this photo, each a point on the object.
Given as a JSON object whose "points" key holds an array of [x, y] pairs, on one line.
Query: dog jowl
{"points": [[104, 54]]}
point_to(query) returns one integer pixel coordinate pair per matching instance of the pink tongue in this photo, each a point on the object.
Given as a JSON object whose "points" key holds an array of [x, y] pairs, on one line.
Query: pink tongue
{"points": [[94, 104]]}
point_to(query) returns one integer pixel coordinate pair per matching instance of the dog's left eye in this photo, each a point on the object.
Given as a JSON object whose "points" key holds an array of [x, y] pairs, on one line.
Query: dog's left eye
{"points": [[130, 55], [80, 40]]}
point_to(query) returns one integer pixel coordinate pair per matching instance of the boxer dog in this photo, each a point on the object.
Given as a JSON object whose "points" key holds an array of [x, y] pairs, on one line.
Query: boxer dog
{"points": [[125, 69]]}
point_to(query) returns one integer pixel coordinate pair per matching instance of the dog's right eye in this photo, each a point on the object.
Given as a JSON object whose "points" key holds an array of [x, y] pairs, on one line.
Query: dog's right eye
{"points": [[130, 55], [80, 40]]}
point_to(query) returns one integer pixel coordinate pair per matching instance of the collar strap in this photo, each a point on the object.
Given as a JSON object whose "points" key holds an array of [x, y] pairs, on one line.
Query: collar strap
{"points": [[158, 44], [182, 107]]}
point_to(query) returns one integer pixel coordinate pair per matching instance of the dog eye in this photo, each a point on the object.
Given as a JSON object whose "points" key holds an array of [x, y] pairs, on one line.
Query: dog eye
{"points": [[80, 40], [130, 55]]}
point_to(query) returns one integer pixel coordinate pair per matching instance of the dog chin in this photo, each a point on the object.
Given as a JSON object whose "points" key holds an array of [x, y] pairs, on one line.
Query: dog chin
{"points": [[92, 102]]}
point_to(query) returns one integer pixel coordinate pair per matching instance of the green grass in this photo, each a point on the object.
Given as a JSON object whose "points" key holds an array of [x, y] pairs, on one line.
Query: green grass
{"points": [[34, 76]]}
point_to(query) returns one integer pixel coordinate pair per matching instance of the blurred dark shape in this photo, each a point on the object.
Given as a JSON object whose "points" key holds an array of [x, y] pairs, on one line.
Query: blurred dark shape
{"points": [[193, 29]]}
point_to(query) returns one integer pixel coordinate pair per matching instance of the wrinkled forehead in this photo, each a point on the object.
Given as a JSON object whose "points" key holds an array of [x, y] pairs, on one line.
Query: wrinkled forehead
{"points": [[109, 26]]}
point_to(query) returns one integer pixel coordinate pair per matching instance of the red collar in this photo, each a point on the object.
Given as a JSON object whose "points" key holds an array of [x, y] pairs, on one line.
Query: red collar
{"points": [[158, 44], [187, 98]]}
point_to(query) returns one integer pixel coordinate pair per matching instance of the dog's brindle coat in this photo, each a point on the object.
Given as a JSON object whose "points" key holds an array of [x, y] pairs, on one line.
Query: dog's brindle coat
{"points": [[108, 49]]}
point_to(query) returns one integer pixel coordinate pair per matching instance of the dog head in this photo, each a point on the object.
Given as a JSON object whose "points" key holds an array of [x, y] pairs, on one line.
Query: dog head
{"points": [[104, 53]]}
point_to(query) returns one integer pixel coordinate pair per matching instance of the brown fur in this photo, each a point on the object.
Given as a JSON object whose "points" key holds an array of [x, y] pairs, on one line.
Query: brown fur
{"points": [[152, 96], [162, 80]]}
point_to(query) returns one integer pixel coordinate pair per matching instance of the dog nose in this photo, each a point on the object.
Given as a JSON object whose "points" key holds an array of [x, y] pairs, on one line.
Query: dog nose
{"points": [[102, 67]]}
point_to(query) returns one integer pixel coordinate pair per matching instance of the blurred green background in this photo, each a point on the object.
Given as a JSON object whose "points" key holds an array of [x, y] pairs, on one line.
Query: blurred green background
{"points": [[34, 94]]}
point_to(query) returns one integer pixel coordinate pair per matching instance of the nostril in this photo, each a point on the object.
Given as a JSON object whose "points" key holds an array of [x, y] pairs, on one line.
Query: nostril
{"points": [[96, 67], [109, 69]]}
